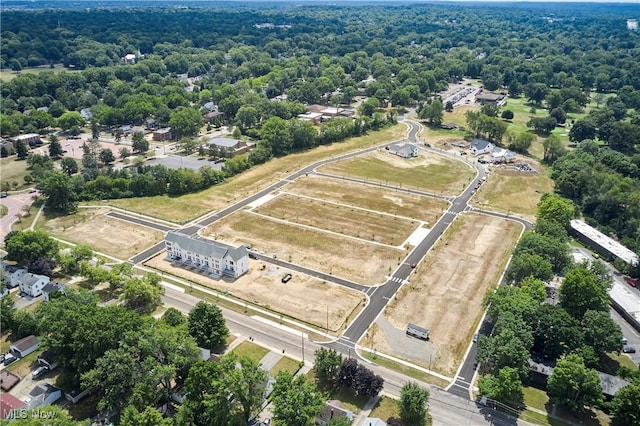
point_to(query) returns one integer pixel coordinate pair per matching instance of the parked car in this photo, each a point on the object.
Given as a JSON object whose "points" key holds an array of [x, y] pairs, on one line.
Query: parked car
{"points": [[286, 278], [9, 359], [252, 255], [631, 282], [475, 338], [629, 350], [39, 372]]}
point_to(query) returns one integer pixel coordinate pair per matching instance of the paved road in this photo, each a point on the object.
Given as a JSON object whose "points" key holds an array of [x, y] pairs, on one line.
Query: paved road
{"points": [[141, 221], [14, 204]]}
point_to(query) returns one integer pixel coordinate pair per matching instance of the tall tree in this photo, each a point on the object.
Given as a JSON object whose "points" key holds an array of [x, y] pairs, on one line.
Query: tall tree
{"points": [[555, 208], [27, 246], [573, 385], [295, 400], [142, 294], [185, 122], [506, 386], [247, 383], [207, 325], [275, 133], [55, 149], [59, 191], [601, 332], [69, 165], [624, 406], [149, 417], [327, 365], [582, 291], [413, 404]]}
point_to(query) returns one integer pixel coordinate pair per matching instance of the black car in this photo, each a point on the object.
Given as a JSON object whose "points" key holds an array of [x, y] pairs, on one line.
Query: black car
{"points": [[286, 278], [629, 350], [252, 256], [9, 359]]}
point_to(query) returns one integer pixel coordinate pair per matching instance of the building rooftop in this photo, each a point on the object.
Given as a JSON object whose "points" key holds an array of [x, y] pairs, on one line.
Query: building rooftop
{"points": [[613, 246], [26, 343], [224, 142], [8, 380], [205, 247]]}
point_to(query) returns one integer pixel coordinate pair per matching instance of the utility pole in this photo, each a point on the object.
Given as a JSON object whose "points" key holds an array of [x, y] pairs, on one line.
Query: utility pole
{"points": [[327, 306], [302, 338]]}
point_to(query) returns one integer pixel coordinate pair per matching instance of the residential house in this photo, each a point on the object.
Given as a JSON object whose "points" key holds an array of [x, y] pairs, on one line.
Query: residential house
{"points": [[151, 124], [314, 117], [42, 395], [32, 284], [47, 359], [8, 405], [31, 139], [129, 58], [162, 134], [8, 380], [230, 147], [50, 289], [24, 346], [125, 130], [76, 395], [479, 147], [8, 146], [86, 113], [209, 256], [403, 150], [491, 98], [14, 273], [501, 155], [211, 116], [333, 409], [210, 106]]}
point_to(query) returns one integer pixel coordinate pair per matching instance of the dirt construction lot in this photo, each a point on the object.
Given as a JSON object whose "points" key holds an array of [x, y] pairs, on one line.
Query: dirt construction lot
{"points": [[349, 258], [303, 297], [445, 294], [104, 234], [428, 172]]}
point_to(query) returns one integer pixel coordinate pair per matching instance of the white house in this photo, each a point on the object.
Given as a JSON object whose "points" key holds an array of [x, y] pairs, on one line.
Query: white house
{"points": [[501, 155], [479, 147], [42, 395], [207, 255], [405, 151], [14, 276], [32, 284]]}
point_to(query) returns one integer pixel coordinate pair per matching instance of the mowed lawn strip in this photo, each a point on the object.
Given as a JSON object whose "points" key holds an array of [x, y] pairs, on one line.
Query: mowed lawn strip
{"points": [[427, 209], [445, 295], [513, 192], [104, 234], [285, 364], [355, 260], [428, 172], [251, 351], [241, 186], [14, 171], [342, 219]]}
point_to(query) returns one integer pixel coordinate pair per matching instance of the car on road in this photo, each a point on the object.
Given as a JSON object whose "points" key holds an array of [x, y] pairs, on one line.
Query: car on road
{"points": [[413, 265], [3, 195], [286, 278], [475, 338], [629, 350], [631, 282], [9, 359], [252, 255]]}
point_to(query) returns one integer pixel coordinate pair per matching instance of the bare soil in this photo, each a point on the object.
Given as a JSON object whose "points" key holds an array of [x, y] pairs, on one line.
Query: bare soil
{"points": [[303, 297], [104, 234], [446, 292], [348, 258]]}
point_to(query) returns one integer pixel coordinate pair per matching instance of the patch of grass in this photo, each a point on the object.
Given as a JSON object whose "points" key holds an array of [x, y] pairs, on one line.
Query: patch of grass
{"points": [[249, 182], [85, 408], [285, 364], [14, 171], [24, 366], [611, 363], [401, 368], [354, 403], [534, 397], [251, 351], [3, 210], [385, 408], [7, 74]]}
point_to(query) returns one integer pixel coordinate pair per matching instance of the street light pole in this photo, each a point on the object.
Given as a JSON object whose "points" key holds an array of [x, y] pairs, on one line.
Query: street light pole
{"points": [[327, 306], [302, 338]]}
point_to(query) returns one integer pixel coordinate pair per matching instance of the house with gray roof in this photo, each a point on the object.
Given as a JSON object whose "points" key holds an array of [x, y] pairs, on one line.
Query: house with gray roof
{"points": [[407, 150], [479, 147], [32, 284], [207, 255], [230, 147], [42, 395], [24, 346]]}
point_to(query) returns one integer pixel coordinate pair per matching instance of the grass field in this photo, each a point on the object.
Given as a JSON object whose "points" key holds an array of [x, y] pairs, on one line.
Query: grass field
{"points": [[346, 220], [103, 233], [513, 192], [369, 197], [251, 351], [7, 74], [385, 408], [445, 295], [401, 368], [14, 171], [429, 172], [285, 364], [247, 183], [343, 257], [538, 399]]}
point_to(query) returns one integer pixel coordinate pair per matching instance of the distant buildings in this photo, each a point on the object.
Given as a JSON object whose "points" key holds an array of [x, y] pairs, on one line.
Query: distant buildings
{"points": [[632, 24], [602, 244]]}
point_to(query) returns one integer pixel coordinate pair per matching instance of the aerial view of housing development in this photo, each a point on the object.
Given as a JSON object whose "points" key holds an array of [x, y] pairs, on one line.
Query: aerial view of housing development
{"points": [[319, 213]]}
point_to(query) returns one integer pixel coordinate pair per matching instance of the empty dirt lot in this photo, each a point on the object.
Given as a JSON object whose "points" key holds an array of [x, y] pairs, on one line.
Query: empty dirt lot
{"points": [[445, 294], [303, 297], [426, 209], [104, 234], [428, 172], [344, 257]]}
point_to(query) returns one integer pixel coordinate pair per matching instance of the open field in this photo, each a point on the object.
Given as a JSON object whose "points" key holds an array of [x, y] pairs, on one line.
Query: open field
{"points": [[247, 183], [355, 260], [445, 294], [251, 351], [513, 192], [304, 297], [14, 171], [103, 233], [429, 172], [6, 74], [385, 408], [355, 222], [369, 197]]}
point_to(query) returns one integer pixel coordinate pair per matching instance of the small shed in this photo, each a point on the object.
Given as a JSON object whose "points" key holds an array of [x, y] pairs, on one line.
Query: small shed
{"points": [[417, 331], [25, 346]]}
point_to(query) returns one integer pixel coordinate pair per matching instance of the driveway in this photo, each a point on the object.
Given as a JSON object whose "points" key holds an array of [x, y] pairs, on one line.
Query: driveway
{"points": [[14, 204]]}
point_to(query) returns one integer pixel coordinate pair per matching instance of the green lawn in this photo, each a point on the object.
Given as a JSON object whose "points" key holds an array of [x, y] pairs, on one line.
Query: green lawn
{"points": [[251, 351], [401, 368], [3, 210], [13, 172], [535, 397], [7, 74], [285, 364], [385, 408], [354, 403]]}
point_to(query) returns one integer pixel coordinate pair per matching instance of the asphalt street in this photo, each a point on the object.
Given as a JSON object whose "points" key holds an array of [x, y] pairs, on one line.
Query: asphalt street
{"points": [[140, 221]]}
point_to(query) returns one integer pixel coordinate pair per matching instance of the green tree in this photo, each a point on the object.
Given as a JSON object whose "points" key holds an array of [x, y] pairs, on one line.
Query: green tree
{"points": [[413, 404], [601, 332], [59, 191], [70, 119], [505, 387], [247, 117], [26, 246], [555, 208], [553, 148], [526, 265], [368, 107], [246, 381], [582, 130], [21, 150], [56, 417], [55, 149], [185, 122], [555, 250], [7, 311], [106, 156], [295, 400], [542, 125], [507, 114], [573, 385], [69, 166], [207, 325], [327, 365], [188, 145], [624, 406], [581, 291], [275, 134], [142, 294], [536, 92], [173, 317], [433, 112], [149, 417]]}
